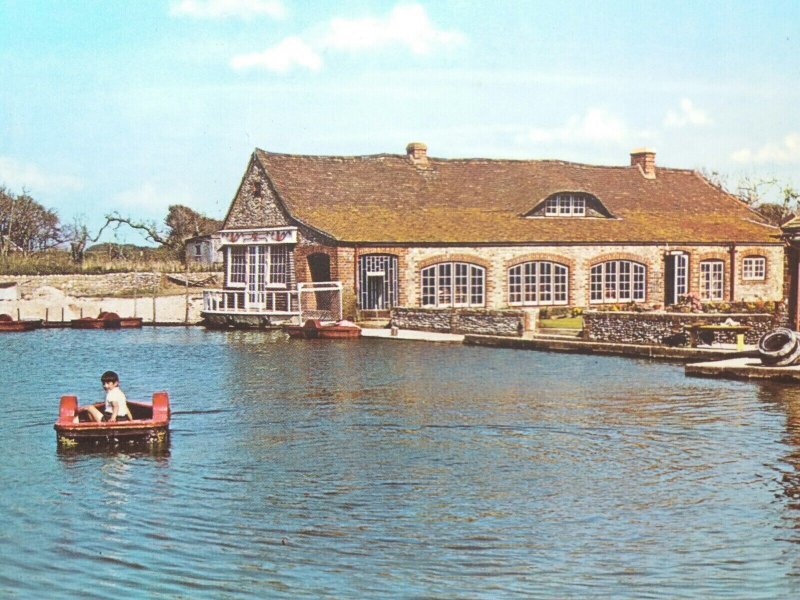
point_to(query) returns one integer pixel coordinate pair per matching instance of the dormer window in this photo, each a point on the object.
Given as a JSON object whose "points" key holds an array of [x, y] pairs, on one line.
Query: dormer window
{"points": [[569, 204], [565, 205]]}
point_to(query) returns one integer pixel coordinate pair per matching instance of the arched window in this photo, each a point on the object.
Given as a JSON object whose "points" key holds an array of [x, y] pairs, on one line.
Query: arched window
{"points": [[712, 280], [453, 284], [536, 283], [618, 281]]}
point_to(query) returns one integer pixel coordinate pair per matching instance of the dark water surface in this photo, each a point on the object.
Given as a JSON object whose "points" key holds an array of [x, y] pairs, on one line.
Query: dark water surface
{"points": [[380, 469]]}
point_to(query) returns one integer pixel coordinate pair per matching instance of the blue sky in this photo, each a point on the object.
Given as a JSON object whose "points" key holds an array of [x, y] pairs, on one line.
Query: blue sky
{"points": [[133, 105]]}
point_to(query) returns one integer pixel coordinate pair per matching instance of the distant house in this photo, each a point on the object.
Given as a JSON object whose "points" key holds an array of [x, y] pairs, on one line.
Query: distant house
{"points": [[410, 230], [203, 249]]}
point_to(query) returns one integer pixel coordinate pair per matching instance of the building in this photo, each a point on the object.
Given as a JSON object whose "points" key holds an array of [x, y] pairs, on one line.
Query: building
{"points": [[410, 230], [203, 249]]}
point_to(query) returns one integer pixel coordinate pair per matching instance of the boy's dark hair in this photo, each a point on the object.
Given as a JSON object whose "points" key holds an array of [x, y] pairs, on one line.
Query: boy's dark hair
{"points": [[109, 376]]}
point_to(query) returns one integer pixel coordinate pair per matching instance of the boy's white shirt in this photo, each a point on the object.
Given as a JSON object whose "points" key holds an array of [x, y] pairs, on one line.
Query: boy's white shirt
{"points": [[116, 396]]}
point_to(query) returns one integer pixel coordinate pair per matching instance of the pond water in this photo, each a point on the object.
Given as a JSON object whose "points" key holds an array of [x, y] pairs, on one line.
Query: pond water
{"points": [[388, 469]]}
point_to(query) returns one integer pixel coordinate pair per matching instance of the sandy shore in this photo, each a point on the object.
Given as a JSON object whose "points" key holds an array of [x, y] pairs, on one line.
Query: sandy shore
{"points": [[51, 304]]}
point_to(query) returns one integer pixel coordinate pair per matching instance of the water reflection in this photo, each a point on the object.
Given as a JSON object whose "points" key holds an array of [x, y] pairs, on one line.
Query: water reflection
{"points": [[155, 449], [380, 469]]}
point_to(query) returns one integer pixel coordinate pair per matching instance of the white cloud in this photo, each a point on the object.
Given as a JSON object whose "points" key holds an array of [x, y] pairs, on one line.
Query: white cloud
{"points": [[595, 125], [17, 175], [787, 151], [291, 52], [406, 25], [686, 114], [220, 9]]}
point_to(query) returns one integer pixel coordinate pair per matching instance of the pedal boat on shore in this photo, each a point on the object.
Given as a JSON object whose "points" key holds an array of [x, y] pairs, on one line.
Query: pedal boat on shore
{"points": [[314, 329], [7, 323], [150, 422]]}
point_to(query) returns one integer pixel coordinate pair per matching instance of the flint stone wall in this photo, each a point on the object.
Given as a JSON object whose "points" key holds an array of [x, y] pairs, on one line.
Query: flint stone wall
{"points": [[460, 321], [106, 284], [624, 327]]}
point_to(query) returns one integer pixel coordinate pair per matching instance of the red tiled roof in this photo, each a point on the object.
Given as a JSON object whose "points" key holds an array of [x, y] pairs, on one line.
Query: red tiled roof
{"points": [[387, 199]]}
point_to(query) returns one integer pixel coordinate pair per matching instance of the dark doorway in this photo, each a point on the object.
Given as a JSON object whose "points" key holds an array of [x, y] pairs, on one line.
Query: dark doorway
{"points": [[320, 266]]}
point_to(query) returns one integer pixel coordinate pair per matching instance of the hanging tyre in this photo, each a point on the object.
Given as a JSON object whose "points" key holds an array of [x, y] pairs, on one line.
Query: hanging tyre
{"points": [[775, 346], [789, 359]]}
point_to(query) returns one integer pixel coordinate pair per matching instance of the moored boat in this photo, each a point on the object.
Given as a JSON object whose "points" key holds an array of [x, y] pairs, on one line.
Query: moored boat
{"points": [[130, 322], [150, 422], [105, 320], [315, 329], [7, 323]]}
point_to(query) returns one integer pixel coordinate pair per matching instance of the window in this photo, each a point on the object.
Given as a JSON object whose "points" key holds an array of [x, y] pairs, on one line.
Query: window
{"points": [[258, 266], [618, 281], [712, 280], [754, 267], [536, 283], [278, 265], [565, 205], [237, 268], [453, 284]]}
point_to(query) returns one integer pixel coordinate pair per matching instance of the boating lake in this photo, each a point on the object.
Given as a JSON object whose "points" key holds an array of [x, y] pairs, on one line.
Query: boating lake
{"points": [[389, 469]]}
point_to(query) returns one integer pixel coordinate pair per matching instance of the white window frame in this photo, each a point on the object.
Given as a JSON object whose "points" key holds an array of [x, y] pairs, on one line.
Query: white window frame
{"points": [[615, 281], [754, 268], [237, 267], [538, 283], [257, 264], [712, 280], [565, 205], [453, 285]]}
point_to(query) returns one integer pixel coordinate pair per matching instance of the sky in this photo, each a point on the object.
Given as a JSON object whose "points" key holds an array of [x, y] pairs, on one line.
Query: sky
{"points": [[134, 105]]}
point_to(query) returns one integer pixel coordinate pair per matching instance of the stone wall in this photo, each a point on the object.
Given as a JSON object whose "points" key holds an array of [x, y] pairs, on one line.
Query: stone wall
{"points": [[651, 328], [107, 284], [461, 321]]}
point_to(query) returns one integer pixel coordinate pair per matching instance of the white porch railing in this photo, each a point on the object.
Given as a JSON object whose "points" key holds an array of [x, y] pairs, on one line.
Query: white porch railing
{"points": [[264, 302]]}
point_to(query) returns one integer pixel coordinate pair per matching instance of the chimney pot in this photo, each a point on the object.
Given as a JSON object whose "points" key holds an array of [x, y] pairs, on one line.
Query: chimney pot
{"points": [[417, 153], [645, 159]]}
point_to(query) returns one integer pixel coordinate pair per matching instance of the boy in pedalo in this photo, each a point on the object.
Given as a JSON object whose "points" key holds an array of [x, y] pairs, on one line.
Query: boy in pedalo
{"points": [[116, 407]]}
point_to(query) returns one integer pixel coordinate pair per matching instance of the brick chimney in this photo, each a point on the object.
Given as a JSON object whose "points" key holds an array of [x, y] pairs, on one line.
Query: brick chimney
{"points": [[417, 153], [645, 159]]}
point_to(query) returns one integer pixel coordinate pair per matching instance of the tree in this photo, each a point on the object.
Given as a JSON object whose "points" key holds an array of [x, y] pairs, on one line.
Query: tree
{"points": [[26, 224], [756, 193], [184, 223]]}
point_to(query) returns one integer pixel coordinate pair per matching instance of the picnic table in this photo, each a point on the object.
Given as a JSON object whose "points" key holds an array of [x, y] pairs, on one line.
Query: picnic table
{"points": [[697, 328]]}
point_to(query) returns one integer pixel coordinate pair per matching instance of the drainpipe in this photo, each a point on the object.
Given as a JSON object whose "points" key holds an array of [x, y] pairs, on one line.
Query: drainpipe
{"points": [[356, 283], [732, 251]]}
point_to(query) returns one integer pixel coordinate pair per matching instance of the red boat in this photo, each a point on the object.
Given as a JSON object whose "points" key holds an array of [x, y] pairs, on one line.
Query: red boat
{"points": [[315, 329], [130, 322], [7, 323], [106, 320], [150, 422]]}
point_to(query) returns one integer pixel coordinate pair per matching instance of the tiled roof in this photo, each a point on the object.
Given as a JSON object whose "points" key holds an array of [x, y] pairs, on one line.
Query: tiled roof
{"points": [[386, 198]]}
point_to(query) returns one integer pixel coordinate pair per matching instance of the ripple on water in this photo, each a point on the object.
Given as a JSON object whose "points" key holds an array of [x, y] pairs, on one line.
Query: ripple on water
{"points": [[371, 469]]}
